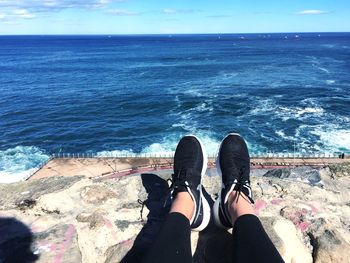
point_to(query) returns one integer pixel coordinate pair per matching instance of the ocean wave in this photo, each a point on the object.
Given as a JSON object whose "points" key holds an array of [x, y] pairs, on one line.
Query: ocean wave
{"points": [[328, 45], [323, 69], [193, 92], [270, 106], [331, 138], [168, 144], [334, 139], [330, 81], [18, 163], [302, 111], [166, 147], [202, 107], [286, 113], [284, 136], [263, 106]]}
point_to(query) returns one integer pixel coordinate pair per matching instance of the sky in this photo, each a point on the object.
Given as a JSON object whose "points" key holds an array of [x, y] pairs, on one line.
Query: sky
{"points": [[172, 17]]}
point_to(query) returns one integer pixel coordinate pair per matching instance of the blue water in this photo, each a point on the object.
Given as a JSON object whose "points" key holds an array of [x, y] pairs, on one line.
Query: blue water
{"points": [[79, 94]]}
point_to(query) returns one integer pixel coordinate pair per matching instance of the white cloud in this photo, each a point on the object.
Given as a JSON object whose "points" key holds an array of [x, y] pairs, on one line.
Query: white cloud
{"points": [[311, 12], [170, 11], [29, 9], [219, 16], [23, 13], [47, 5], [122, 12]]}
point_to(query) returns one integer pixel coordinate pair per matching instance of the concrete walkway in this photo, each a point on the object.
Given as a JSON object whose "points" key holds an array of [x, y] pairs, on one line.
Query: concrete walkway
{"points": [[101, 167]]}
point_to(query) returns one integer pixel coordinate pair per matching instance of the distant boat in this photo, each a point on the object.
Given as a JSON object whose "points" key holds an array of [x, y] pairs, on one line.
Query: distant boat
{"points": [[296, 36]]}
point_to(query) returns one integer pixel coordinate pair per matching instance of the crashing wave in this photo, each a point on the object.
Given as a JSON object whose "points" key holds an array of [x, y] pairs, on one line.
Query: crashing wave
{"points": [[19, 162]]}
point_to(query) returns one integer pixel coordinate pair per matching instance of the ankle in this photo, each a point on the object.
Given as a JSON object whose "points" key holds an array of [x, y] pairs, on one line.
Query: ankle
{"points": [[183, 204], [238, 205]]}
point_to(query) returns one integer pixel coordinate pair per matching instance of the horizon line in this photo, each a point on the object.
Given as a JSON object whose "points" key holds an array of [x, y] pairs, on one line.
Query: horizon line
{"points": [[175, 34]]}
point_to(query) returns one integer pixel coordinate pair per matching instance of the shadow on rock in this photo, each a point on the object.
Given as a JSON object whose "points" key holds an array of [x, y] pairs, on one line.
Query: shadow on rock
{"points": [[15, 242], [214, 244], [158, 191]]}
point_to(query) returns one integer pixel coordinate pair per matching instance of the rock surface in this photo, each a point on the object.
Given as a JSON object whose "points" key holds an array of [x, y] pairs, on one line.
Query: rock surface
{"points": [[76, 219]]}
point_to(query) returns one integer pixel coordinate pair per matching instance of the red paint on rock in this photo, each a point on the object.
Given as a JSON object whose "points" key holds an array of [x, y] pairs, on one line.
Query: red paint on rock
{"points": [[303, 226], [314, 210], [68, 236], [276, 201], [109, 225]]}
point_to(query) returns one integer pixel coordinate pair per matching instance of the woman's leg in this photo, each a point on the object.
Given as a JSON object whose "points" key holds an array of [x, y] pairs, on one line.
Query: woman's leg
{"points": [[250, 241], [233, 208], [173, 242], [189, 209]]}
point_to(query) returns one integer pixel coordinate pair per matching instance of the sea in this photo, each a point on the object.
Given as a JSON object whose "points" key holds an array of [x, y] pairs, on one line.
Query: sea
{"points": [[111, 95]]}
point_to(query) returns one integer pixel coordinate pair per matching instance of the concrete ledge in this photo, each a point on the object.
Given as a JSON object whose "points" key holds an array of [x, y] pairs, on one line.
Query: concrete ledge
{"points": [[104, 166]]}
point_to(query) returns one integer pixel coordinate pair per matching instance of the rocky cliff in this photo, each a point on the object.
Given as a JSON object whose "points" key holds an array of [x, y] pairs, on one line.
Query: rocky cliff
{"points": [[77, 219]]}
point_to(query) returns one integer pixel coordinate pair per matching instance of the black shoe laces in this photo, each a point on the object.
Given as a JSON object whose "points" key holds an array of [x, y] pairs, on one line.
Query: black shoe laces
{"points": [[179, 179], [240, 184], [142, 203]]}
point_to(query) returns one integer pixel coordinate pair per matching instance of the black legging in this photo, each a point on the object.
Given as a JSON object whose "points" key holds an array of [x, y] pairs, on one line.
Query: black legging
{"points": [[250, 242]]}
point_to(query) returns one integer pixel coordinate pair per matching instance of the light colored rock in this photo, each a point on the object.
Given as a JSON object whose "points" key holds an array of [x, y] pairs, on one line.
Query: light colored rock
{"points": [[58, 244], [75, 219], [96, 194], [330, 247], [293, 250]]}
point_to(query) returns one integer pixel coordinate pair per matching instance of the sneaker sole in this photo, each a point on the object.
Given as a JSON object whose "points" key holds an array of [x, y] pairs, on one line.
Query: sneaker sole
{"points": [[206, 207], [206, 214], [217, 203]]}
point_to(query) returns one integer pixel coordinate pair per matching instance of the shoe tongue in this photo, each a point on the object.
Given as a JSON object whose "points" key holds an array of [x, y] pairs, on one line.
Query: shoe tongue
{"points": [[238, 173], [180, 177], [183, 171]]}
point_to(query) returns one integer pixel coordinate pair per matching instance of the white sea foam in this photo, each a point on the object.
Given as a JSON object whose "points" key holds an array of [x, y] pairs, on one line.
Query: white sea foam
{"points": [[334, 139], [166, 147], [227, 75], [175, 125], [328, 45], [18, 163], [309, 102], [299, 112], [284, 136], [330, 81], [203, 107], [323, 69], [114, 153], [264, 106], [193, 92]]}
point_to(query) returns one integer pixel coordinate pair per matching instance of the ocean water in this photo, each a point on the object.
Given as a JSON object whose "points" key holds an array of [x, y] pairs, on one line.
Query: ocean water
{"points": [[140, 94]]}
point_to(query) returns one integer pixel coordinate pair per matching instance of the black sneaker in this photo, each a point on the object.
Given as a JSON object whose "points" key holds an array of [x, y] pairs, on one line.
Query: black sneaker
{"points": [[190, 164], [233, 165]]}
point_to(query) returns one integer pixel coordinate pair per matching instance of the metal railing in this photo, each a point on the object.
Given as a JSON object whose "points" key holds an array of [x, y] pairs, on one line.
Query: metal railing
{"points": [[171, 155], [37, 168]]}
